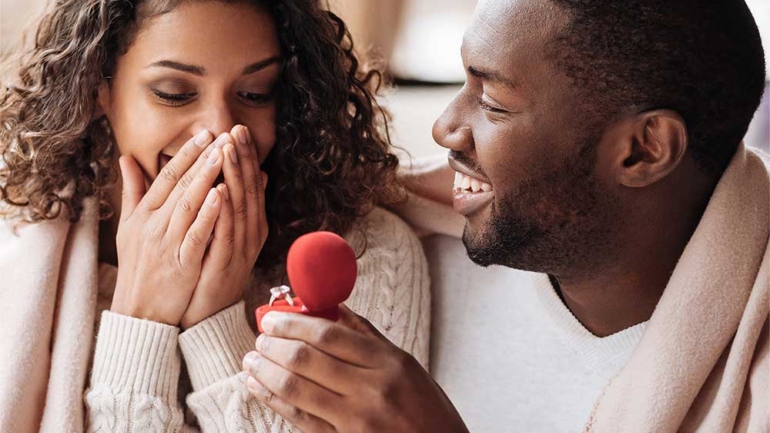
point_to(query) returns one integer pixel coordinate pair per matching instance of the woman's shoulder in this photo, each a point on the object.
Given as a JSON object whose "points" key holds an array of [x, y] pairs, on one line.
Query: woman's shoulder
{"points": [[381, 230]]}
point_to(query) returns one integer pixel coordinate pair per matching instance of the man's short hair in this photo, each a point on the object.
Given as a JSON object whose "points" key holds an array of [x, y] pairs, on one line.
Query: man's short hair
{"points": [[703, 59]]}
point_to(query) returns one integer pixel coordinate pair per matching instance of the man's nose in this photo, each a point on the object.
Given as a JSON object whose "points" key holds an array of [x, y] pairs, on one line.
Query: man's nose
{"points": [[451, 131]]}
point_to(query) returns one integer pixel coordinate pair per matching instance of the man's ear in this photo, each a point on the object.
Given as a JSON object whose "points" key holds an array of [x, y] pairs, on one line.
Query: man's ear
{"points": [[102, 100], [652, 146]]}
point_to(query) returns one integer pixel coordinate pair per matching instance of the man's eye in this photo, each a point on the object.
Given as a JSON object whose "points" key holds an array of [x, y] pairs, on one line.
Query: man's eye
{"points": [[256, 98], [173, 98], [487, 107]]}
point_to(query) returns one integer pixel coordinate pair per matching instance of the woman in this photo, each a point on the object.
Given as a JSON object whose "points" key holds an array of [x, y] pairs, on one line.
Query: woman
{"points": [[227, 120]]}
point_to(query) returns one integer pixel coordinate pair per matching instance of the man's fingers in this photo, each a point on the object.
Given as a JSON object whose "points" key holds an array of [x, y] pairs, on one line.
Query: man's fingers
{"points": [[310, 363], [297, 417], [170, 175], [292, 388], [133, 186], [329, 337], [194, 243], [358, 323]]}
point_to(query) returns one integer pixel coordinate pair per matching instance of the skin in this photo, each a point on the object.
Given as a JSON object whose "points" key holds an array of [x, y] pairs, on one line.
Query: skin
{"points": [[603, 204], [220, 84], [588, 219]]}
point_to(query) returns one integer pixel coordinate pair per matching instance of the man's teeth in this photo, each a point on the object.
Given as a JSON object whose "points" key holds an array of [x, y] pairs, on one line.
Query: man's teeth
{"points": [[468, 183]]}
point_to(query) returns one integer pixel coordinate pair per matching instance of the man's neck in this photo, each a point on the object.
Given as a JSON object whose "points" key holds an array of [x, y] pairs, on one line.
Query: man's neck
{"points": [[624, 290]]}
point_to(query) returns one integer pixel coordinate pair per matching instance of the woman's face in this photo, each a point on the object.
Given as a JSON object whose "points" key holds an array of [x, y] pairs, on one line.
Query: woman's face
{"points": [[204, 65]]}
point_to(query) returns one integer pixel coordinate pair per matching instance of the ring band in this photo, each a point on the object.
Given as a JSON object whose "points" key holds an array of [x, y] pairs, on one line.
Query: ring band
{"points": [[281, 292]]}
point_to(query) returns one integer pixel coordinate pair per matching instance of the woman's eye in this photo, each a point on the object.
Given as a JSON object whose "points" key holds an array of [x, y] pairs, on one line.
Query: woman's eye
{"points": [[256, 98], [484, 106], [174, 99]]}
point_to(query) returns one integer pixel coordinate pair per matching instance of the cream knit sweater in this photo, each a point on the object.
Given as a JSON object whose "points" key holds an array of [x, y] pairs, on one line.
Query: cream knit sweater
{"points": [[147, 376]]}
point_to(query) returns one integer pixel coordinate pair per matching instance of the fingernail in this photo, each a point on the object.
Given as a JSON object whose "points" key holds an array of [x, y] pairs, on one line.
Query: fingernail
{"points": [[202, 138], [249, 359], [233, 154], [264, 178], [225, 192], [259, 342], [268, 322], [243, 135], [211, 198], [252, 384], [213, 158], [221, 141]]}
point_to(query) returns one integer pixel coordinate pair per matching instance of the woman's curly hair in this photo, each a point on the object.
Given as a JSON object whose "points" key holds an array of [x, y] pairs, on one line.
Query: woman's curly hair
{"points": [[331, 164]]}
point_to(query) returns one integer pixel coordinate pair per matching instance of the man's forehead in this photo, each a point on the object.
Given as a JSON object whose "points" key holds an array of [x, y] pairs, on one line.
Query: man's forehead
{"points": [[503, 32], [504, 21]]}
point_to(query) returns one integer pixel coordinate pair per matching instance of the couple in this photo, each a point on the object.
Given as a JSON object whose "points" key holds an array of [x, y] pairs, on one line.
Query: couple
{"points": [[192, 141]]}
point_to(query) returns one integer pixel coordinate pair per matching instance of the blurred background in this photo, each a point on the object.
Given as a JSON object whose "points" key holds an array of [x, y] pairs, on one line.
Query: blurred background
{"points": [[419, 40]]}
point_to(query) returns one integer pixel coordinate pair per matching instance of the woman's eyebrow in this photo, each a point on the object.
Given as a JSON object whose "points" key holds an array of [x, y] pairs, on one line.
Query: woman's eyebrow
{"points": [[201, 71], [260, 65], [190, 69]]}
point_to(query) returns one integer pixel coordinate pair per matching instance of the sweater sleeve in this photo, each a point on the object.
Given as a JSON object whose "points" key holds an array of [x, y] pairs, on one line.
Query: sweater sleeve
{"points": [[213, 351], [134, 378]]}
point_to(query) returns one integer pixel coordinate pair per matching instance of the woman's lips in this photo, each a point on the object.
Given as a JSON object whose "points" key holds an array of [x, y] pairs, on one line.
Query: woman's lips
{"points": [[470, 194]]}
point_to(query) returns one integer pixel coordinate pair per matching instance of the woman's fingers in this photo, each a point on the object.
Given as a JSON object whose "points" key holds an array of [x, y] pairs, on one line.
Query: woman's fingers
{"points": [[187, 207], [290, 387], [194, 244], [172, 173], [252, 184], [221, 249], [133, 186], [234, 182], [297, 417], [187, 178]]}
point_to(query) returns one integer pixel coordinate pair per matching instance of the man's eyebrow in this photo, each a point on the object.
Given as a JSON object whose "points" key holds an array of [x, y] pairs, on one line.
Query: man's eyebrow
{"points": [[491, 76], [201, 71]]}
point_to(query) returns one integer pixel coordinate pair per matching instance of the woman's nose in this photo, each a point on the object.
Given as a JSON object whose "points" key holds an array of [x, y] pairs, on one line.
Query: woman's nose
{"points": [[218, 118], [451, 129]]}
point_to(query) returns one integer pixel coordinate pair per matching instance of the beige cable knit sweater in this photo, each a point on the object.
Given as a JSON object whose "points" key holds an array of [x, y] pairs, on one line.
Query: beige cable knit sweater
{"points": [[146, 376]]}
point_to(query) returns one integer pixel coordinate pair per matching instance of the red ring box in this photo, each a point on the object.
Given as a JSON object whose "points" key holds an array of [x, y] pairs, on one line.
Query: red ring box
{"points": [[283, 306]]}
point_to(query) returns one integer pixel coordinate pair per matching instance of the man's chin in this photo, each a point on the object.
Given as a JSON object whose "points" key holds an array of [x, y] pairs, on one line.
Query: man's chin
{"points": [[476, 248]]}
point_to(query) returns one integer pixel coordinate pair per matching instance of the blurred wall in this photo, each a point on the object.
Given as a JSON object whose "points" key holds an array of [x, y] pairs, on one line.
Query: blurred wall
{"points": [[15, 15]]}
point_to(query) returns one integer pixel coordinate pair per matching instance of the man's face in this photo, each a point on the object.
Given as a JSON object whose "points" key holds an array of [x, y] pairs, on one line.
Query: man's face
{"points": [[524, 147]]}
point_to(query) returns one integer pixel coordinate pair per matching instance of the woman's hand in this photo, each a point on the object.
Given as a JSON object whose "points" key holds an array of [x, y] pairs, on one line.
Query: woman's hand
{"points": [[164, 231], [239, 234], [344, 377]]}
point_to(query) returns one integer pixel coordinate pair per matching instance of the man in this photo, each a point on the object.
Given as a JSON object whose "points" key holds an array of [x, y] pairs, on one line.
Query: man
{"points": [[596, 144]]}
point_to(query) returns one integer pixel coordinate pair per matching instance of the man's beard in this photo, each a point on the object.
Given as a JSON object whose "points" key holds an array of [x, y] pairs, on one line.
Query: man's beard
{"points": [[552, 221]]}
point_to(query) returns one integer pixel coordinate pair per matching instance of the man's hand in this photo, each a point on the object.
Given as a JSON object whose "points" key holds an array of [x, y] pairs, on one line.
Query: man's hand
{"points": [[344, 377]]}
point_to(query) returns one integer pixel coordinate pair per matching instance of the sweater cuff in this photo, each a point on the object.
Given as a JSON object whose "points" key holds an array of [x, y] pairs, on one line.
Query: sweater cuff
{"points": [[137, 356], [214, 348]]}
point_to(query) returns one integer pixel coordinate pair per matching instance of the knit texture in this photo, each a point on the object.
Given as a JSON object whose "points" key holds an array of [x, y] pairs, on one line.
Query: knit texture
{"points": [[137, 383]]}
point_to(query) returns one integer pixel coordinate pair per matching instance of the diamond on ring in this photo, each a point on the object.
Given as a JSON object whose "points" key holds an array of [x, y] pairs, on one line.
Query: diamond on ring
{"points": [[281, 292]]}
